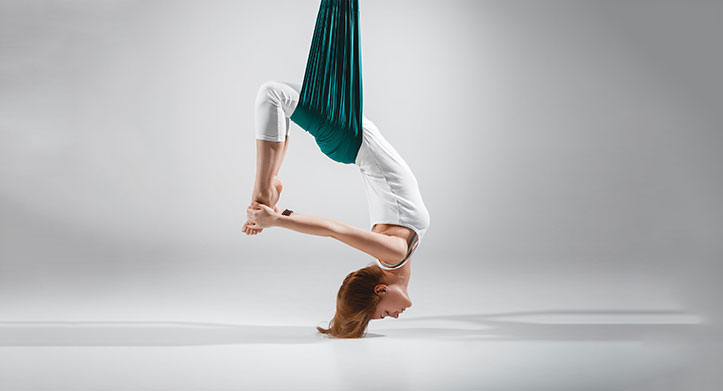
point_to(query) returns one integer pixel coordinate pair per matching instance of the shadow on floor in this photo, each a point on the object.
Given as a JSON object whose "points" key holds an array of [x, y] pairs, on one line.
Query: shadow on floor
{"points": [[150, 334], [534, 325], [556, 325]]}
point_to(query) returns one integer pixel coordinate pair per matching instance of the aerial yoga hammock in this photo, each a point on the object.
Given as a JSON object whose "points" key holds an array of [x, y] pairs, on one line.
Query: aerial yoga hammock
{"points": [[328, 105], [330, 101]]}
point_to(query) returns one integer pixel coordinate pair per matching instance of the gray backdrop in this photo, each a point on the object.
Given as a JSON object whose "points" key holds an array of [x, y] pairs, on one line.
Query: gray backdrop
{"points": [[569, 154]]}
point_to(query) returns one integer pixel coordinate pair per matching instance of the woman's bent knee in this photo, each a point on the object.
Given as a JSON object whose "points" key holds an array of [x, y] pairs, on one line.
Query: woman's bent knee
{"points": [[269, 93]]}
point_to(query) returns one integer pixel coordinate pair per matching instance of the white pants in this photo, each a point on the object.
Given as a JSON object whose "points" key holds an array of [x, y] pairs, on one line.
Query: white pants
{"points": [[275, 102]]}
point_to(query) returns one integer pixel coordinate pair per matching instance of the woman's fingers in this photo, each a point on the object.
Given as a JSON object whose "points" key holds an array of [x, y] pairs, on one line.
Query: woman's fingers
{"points": [[248, 230], [254, 213], [252, 231], [254, 227]]}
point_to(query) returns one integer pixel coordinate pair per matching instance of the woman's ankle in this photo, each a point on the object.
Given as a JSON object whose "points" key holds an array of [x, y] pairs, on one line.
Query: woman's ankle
{"points": [[268, 194]]}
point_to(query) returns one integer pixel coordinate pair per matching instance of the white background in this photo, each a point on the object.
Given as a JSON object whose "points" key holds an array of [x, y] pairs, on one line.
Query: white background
{"points": [[569, 154]]}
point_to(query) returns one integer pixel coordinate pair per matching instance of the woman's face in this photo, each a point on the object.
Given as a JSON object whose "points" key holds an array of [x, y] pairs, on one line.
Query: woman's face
{"points": [[394, 301]]}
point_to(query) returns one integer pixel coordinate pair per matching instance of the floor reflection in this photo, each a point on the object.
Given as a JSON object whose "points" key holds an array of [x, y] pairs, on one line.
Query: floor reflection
{"points": [[564, 325]]}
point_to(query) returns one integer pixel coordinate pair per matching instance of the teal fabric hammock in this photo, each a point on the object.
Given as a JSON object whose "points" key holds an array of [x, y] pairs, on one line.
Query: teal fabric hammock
{"points": [[330, 100]]}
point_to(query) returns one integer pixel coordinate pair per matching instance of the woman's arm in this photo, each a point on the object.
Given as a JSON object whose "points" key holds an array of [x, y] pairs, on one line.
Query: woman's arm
{"points": [[387, 248], [311, 225], [391, 249]]}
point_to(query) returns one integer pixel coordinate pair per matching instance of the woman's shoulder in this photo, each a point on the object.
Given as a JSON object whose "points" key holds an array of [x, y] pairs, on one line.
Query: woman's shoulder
{"points": [[406, 233]]}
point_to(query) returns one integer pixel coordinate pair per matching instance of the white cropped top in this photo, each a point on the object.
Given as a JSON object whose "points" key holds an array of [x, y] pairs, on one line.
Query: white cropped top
{"points": [[391, 188]]}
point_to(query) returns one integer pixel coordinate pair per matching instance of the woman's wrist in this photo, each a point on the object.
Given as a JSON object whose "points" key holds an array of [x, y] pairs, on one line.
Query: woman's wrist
{"points": [[279, 217]]}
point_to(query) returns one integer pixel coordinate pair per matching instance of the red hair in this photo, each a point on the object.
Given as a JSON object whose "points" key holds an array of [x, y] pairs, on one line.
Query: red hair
{"points": [[355, 303]]}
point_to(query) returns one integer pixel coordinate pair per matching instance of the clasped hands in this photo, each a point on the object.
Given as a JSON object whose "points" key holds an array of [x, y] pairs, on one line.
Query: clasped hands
{"points": [[261, 216]]}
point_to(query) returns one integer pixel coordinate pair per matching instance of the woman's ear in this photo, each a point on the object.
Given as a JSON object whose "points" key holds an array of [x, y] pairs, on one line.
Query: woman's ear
{"points": [[380, 289]]}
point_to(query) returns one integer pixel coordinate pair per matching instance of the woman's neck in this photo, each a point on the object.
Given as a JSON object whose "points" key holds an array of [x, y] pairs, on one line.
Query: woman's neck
{"points": [[398, 276]]}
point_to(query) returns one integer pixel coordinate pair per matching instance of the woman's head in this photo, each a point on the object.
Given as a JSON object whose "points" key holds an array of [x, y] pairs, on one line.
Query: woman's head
{"points": [[394, 300], [365, 295]]}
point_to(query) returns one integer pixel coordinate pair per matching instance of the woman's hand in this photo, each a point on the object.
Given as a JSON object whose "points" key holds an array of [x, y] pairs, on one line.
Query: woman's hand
{"points": [[251, 231], [261, 216]]}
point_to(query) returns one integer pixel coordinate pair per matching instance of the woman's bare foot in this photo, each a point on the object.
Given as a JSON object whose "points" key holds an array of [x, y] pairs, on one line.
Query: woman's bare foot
{"points": [[269, 197]]}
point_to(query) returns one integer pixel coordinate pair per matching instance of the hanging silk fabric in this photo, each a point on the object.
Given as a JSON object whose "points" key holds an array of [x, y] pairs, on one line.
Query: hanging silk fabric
{"points": [[330, 100]]}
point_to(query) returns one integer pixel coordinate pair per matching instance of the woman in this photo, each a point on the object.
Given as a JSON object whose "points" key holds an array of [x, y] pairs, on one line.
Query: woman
{"points": [[397, 213]]}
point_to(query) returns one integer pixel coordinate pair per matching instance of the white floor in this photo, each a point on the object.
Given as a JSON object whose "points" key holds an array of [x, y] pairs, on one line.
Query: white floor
{"points": [[242, 325], [543, 350]]}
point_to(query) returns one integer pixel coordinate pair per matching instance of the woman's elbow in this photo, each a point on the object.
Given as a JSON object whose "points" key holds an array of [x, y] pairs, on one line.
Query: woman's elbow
{"points": [[333, 228]]}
